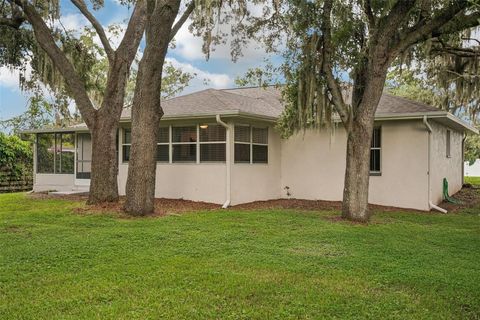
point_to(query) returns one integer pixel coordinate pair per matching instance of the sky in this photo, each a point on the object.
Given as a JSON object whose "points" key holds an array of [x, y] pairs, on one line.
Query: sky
{"points": [[219, 70]]}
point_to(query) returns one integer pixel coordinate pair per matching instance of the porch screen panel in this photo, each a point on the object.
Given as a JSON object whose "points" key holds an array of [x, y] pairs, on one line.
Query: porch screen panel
{"points": [[163, 149], [84, 155], [46, 153], [242, 144], [212, 143], [184, 144], [259, 145], [65, 153]]}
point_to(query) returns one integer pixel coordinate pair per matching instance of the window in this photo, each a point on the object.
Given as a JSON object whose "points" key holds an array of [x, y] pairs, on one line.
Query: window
{"points": [[448, 144], [184, 144], [251, 144], [55, 153], [163, 144], [375, 151], [212, 143], [126, 143]]}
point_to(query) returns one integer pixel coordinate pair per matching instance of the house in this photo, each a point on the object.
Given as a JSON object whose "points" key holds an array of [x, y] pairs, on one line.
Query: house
{"points": [[220, 146], [472, 170]]}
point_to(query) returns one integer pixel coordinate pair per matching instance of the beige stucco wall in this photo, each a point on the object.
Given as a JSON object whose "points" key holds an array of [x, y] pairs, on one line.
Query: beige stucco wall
{"points": [[208, 181], [190, 181], [50, 182], [252, 182], [443, 166], [313, 165]]}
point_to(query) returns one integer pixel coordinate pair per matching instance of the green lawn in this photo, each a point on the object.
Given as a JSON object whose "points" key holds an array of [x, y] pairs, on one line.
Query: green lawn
{"points": [[473, 180], [280, 264]]}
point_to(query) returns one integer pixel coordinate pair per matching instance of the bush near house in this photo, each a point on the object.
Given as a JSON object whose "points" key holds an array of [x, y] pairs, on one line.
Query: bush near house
{"points": [[60, 261], [16, 165]]}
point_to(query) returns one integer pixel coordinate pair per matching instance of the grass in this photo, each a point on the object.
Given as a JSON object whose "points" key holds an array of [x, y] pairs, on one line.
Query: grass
{"points": [[271, 264], [472, 180]]}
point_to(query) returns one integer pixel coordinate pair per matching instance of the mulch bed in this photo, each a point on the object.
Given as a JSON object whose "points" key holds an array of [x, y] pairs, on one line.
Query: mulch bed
{"points": [[469, 197]]}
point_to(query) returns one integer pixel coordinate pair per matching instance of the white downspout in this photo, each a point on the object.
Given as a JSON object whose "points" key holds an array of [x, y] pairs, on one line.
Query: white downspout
{"points": [[228, 160], [429, 128]]}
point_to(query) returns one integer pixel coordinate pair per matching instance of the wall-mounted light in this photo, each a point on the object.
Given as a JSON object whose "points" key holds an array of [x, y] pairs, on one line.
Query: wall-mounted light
{"points": [[203, 126]]}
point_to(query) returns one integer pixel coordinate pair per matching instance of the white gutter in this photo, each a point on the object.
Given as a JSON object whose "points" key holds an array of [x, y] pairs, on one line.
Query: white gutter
{"points": [[228, 160], [429, 129]]}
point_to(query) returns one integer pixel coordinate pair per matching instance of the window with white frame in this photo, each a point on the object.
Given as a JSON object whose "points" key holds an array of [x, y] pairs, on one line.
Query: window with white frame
{"points": [[251, 144], [184, 144], [212, 143], [375, 151], [448, 142], [163, 144]]}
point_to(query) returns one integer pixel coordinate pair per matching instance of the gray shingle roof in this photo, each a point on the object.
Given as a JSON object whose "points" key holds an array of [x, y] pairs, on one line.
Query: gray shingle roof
{"points": [[255, 101], [390, 104], [264, 102], [267, 103]]}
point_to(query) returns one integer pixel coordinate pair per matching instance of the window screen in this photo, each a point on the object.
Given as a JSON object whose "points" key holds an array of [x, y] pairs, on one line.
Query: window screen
{"points": [[127, 140], [242, 134], [65, 153], [375, 151], [163, 135], [184, 134], [251, 144], [184, 144], [45, 153], [212, 143], [55, 153], [163, 147], [448, 142]]}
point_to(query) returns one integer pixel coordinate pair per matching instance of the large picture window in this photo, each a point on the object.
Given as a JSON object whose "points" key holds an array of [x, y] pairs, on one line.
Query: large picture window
{"points": [[375, 151], [55, 153], [251, 144]]}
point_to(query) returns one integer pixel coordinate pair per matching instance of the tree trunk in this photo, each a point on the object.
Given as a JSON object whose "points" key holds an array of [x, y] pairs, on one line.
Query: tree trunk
{"points": [[104, 171], [146, 110], [357, 172], [368, 88]]}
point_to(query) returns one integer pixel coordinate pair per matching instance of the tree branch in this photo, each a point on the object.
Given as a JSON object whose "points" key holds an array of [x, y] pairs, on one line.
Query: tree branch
{"points": [[182, 19], [12, 22], [332, 84], [60, 61], [388, 25], [367, 9], [16, 20], [80, 4], [133, 34], [426, 29]]}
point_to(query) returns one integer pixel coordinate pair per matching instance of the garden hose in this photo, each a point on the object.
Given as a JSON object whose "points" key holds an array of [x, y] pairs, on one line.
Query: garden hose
{"points": [[446, 197]]}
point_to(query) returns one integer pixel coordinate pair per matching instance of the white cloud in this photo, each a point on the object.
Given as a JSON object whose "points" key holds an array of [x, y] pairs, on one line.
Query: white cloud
{"points": [[9, 78], [203, 79], [189, 46], [71, 22]]}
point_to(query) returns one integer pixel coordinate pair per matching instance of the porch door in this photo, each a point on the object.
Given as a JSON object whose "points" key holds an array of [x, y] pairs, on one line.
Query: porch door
{"points": [[84, 159]]}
